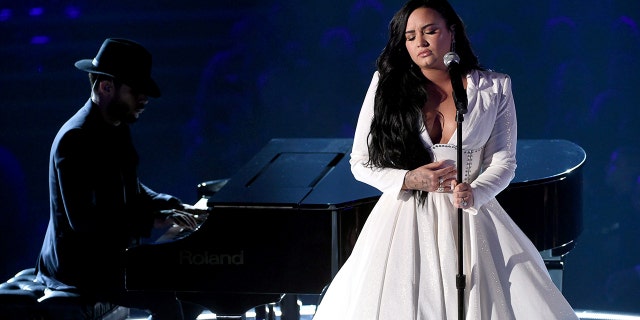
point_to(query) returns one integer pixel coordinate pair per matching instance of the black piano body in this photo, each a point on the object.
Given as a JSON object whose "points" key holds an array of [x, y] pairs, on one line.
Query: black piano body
{"points": [[284, 223], [289, 218], [545, 197]]}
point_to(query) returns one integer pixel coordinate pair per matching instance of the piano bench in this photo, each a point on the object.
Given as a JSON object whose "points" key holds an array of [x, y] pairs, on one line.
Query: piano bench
{"points": [[21, 297]]}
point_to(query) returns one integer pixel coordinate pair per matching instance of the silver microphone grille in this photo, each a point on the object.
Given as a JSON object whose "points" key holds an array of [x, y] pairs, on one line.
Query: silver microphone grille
{"points": [[451, 57]]}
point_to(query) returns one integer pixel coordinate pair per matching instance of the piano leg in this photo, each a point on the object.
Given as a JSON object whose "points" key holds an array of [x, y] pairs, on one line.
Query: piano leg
{"points": [[272, 312], [554, 261], [228, 305], [265, 312], [555, 267], [289, 307], [261, 312]]}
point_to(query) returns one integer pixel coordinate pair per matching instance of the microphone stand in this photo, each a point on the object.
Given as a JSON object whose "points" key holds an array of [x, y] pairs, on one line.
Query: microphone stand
{"points": [[452, 60], [460, 277]]}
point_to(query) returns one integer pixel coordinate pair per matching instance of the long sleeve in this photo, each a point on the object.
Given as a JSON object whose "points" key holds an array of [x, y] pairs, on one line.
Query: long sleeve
{"points": [[499, 157], [383, 179], [159, 201]]}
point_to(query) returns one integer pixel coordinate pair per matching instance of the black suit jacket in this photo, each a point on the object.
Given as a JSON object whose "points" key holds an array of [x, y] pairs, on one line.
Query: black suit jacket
{"points": [[97, 204]]}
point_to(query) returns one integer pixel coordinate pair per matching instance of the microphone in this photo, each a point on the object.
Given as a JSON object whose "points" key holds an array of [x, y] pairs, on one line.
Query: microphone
{"points": [[452, 61]]}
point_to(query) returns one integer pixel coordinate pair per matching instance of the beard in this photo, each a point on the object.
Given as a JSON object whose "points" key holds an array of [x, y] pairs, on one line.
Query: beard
{"points": [[121, 111]]}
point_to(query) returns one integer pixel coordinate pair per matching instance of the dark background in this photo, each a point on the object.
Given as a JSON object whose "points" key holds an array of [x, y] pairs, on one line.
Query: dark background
{"points": [[235, 74]]}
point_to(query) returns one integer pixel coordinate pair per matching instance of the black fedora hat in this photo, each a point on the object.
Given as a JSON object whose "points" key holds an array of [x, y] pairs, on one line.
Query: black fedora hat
{"points": [[126, 61]]}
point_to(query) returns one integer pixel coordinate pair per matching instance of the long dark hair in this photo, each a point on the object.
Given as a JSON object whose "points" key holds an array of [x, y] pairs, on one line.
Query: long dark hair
{"points": [[394, 139]]}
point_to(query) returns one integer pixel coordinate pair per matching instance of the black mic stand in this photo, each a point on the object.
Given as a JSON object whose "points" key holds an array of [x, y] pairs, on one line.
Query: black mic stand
{"points": [[460, 99], [460, 277]]}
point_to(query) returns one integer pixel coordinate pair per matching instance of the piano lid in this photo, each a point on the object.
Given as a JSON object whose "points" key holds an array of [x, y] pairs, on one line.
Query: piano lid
{"points": [[293, 173], [301, 172], [544, 160]]}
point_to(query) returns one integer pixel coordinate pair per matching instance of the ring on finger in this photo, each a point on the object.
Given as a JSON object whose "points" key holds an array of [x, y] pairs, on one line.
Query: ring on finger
{"points": [[464, 203]]}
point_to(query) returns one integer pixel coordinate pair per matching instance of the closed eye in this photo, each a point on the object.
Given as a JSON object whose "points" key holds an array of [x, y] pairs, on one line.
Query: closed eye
{"points": [[426, 30]]}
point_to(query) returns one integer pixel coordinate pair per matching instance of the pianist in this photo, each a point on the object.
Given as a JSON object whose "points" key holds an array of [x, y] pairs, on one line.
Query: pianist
{"points": [[98, 206]]}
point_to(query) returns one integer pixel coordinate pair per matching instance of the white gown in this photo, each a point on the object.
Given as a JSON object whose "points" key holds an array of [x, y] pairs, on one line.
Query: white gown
{"points": [[404, 263]]}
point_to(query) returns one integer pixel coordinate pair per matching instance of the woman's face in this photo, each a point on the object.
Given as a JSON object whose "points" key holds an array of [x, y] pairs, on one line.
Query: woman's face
{"points": [[427, 38]]}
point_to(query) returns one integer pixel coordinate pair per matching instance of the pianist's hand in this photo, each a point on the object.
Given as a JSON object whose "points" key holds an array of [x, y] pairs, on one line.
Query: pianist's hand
{"points": [[200, 213], [177, 217], [194, 209]]}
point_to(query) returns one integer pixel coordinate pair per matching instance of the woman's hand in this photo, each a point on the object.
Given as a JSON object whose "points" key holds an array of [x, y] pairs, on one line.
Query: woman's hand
{"points": [[432, 177], [463, 196]]}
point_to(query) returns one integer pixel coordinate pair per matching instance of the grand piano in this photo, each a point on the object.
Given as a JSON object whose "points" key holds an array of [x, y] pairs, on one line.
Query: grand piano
{"points": [[288, 219]]}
